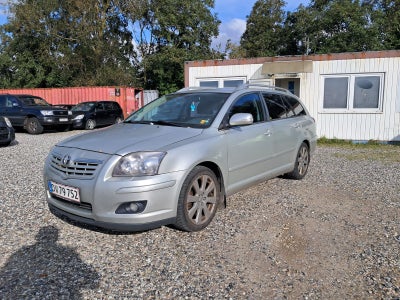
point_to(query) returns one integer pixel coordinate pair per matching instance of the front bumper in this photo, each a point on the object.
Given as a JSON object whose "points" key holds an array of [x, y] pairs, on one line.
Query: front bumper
{"points": [[103, 194], [56, 120], [7, 135]]}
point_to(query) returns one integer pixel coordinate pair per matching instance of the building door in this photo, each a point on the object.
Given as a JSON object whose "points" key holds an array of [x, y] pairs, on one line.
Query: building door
{"points": [[291, 84]]}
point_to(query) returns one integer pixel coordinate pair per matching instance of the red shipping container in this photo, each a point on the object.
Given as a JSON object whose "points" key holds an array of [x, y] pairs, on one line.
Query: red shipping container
{"points": [[130, 99]]}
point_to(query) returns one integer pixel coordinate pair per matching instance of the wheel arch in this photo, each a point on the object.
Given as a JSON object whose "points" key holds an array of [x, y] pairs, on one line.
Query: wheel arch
{"points": [[218, 173]]}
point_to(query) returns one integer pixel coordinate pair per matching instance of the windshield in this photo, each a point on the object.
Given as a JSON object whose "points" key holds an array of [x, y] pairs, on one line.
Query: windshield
{"points": [[84, 106], [187, 110], [33, 101]]}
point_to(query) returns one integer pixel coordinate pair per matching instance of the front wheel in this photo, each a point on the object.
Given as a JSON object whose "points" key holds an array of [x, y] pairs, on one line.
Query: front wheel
{"points": [[301, 164], [90, 124], [33, 126], [198, 200]]}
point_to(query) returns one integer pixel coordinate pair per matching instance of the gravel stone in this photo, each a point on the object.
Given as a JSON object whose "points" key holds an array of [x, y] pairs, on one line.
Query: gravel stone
{"points": [[333, 235]]}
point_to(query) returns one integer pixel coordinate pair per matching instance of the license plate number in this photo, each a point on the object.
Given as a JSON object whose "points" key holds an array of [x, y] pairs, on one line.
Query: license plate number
{"points": [[63, 119], [63, 191]]}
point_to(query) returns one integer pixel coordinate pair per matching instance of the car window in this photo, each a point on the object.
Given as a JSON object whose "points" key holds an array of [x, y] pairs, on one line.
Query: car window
{"points": [[275, 105], [108, 105], [197, 109], [100, 106], [3, 101], [33, 101], [249, 103], [115, 106], [295, 105]]}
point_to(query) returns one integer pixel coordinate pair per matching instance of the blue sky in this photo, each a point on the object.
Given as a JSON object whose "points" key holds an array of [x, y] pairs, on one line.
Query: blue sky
{"points": [[232, 14]]}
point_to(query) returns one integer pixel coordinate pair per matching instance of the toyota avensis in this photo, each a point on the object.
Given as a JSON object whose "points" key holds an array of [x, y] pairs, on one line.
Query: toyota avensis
{"points": [[176, 159]]}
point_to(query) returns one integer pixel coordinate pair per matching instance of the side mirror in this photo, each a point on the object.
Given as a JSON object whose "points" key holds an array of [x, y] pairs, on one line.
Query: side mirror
{"points": [[241, 119]]}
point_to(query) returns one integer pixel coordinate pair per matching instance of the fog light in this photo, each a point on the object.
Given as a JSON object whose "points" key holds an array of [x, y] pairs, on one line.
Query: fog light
{"points": [[134, 207]]}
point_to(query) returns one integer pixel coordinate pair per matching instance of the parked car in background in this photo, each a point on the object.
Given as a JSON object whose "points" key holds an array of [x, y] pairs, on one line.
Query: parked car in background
{"points": [[92, 114], [7, 133], [175, 160], [33, 113]]}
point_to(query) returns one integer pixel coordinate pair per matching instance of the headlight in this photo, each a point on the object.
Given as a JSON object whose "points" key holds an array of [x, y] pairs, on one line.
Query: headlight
{"points": [[139, 164], [79, 117], [46, 112], [8, 122]]}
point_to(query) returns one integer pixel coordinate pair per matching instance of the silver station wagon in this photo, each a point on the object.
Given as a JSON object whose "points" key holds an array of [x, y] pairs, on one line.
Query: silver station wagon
{"points": [[177, 159]]}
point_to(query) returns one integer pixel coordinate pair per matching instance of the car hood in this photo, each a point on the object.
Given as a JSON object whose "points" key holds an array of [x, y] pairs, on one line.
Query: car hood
{"points": [[125, 138]]}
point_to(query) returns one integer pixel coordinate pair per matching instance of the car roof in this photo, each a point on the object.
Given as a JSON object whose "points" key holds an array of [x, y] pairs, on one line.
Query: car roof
{"points": [[230, 90]]}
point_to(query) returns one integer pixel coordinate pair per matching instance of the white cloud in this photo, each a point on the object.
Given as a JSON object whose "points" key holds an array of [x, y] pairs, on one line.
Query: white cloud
{"points": [[233, 30]]}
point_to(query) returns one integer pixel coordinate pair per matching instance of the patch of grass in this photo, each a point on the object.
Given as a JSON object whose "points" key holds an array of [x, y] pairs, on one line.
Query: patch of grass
{"points": [[371, 150]]}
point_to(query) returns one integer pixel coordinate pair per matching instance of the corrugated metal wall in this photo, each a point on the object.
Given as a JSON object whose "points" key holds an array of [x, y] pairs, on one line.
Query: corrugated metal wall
{"points": [[129, 98], [382, 126]]}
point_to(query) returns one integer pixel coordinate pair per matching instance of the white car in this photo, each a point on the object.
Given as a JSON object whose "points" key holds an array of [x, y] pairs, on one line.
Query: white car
{"points": [[176, 160]]}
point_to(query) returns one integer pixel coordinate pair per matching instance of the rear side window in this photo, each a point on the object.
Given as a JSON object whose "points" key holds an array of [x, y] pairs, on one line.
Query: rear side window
{"points": [[115, 105], [277, 109], [108, 105], [295, 106]]}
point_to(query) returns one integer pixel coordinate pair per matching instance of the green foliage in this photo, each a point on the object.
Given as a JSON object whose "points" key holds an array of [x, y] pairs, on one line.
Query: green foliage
{"points": [[264, 29], [180, 31], [52, 43]]}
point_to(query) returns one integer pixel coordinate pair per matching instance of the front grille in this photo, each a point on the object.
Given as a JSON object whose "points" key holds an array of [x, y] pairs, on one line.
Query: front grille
{"points": [[80, 168], [60, 113]]}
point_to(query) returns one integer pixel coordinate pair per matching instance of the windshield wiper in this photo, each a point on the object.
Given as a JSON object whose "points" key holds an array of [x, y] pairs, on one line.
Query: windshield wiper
{"points": [[167, 123]]}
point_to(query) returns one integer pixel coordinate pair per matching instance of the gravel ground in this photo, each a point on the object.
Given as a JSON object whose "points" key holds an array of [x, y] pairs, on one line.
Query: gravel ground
{"points": [[333, 235]]}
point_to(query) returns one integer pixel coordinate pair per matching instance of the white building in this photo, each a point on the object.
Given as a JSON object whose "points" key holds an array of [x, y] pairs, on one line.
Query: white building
{"points": [[352, 96]]}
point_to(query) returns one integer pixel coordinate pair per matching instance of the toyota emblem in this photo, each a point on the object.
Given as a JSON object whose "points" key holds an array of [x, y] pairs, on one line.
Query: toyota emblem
{"points": [[66, 159]]}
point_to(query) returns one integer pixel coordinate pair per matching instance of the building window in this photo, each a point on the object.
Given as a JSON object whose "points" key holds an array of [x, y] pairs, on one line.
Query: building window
{"points": [[232, 83], [353, 93], [213, 82], [209, 83]]}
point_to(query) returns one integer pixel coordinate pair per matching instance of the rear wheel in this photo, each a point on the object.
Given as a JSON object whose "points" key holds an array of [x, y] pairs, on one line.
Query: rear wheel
{"points": [[33, 126], [90, 124], [301, 164], [198, 200]]}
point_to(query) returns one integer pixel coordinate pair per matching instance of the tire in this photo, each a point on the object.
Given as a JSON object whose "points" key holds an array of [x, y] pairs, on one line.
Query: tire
{"points": [[90, 124], [198, 200], [33, 126], [118, 120], [301, 164]]}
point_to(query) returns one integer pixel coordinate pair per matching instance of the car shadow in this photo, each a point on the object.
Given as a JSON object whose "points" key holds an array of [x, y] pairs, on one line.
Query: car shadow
{"points": [[46, 270]]}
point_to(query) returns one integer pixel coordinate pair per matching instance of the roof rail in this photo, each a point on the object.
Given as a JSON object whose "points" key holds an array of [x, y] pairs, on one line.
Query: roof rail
{"points": [[194, 88], [266, 86]]}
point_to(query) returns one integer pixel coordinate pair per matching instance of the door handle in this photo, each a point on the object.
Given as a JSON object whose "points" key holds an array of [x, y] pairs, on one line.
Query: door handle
{"points": [[296, 125]]}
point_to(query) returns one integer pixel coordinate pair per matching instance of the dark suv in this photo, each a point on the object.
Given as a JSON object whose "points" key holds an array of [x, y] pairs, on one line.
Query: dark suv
{"points": [[91, 114], [33, 113]]}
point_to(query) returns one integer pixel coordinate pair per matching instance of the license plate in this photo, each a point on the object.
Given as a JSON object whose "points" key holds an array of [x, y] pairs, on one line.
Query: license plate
{"points": [[63, 119], [63, 191]]}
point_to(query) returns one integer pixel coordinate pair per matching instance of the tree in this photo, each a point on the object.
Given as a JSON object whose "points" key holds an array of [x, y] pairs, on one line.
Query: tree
{"points": [[263, 30], [170, 32], [49, 43]]}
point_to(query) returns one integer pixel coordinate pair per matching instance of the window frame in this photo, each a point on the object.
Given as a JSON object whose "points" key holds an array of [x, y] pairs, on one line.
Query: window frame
{"points": [[220, 80], [351, 78]]}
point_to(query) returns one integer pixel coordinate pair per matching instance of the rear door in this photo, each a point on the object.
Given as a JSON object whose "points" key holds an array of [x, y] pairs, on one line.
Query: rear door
{"points": [[285, 129]]}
